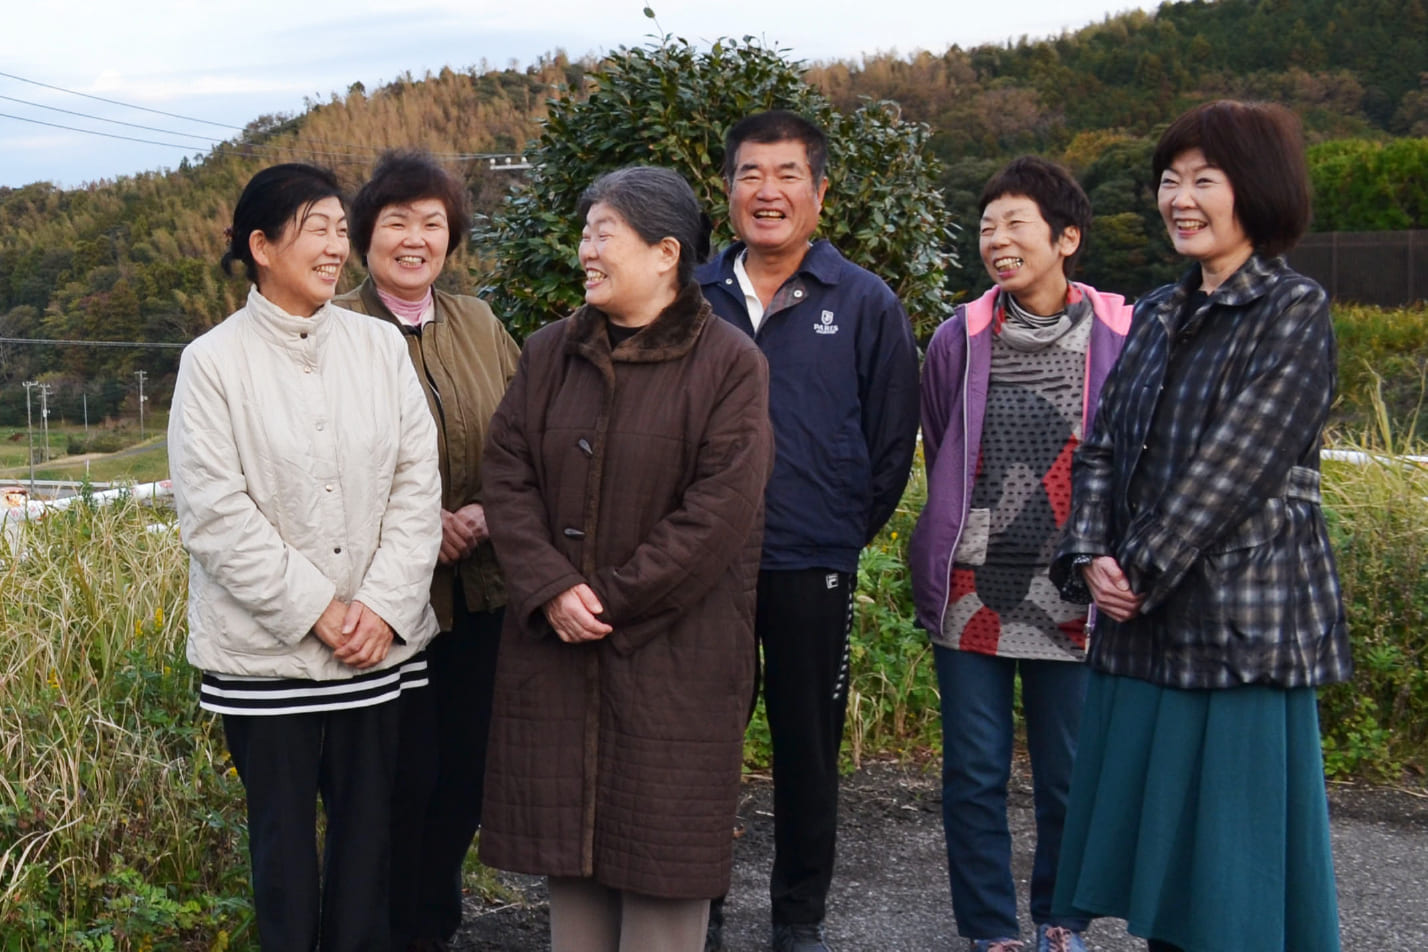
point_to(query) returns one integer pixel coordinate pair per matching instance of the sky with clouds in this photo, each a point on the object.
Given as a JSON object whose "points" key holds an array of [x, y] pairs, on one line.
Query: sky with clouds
{"points": [[229, 63]]}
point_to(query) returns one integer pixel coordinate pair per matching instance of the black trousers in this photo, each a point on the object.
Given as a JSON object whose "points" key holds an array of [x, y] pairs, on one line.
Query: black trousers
{"points": [[285, 762], [802, 625], [436, 806]]}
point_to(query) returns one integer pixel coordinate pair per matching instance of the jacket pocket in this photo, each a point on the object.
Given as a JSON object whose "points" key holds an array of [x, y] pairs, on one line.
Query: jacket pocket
{"points": [[972, 546], [1258, 528]]}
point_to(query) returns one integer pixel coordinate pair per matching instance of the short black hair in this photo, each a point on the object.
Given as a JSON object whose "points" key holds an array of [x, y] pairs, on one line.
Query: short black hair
{"points": [[1058, 196], [1260, 148], [271, 199], [657, 203], [777, 125], [399, 178]]}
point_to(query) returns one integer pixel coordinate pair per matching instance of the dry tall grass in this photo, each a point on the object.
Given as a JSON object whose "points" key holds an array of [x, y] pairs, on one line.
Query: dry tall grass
{"points": [[120, 825]]}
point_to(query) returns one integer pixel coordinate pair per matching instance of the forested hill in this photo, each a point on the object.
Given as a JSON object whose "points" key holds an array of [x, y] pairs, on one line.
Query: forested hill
{"points": [[1348, 69], [136, 258]]}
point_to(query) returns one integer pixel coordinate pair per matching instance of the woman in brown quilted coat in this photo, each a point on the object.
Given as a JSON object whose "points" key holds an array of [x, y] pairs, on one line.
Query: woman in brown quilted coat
{"points": [[625, 473]]}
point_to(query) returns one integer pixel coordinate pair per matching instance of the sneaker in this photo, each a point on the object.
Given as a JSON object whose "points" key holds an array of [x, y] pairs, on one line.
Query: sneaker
{"points": [[804, 937], [996, 945], [1058, 939]]}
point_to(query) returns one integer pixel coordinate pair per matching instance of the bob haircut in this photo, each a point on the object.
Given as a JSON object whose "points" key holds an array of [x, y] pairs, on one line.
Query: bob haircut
{"points": [[777, 125], [1058, 196], [399, 178], [274, 197], [1260, 148], [657, 203]]}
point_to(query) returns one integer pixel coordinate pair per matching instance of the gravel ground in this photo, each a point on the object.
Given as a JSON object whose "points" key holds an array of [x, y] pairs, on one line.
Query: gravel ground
{"points": [[890, 889]]}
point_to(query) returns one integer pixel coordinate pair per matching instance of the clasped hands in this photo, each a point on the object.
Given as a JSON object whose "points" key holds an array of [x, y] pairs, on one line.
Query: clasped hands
{"points": [[572, 615], [1110, 589], [461, 532], [357, 635]]}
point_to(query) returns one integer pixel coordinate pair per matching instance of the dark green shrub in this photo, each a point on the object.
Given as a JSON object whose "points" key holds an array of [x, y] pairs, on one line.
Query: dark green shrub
{"points": [[670, 104]]}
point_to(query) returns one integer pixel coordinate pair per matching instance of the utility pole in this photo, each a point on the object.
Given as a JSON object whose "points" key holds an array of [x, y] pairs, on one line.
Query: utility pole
{"points": [[45, 416], [140, 374], [30, 428]]}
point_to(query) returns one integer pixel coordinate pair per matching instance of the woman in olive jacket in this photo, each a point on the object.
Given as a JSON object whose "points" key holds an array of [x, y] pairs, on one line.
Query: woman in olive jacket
{"points": [[625, 472], [406, 221]]}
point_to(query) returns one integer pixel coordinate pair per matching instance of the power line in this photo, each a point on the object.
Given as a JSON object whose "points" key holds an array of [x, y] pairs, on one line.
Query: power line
{"points": [[364, 151], [117, 122], [115, 102], [95, 132], [257, 150], [148, 344]]}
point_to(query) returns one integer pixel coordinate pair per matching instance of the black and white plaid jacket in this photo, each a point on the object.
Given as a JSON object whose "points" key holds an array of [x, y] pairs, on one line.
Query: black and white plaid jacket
{"points": [[1201, 476]]}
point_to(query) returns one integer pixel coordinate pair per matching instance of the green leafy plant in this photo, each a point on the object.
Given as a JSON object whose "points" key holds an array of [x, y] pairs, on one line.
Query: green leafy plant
{"points": [[669, 104]]}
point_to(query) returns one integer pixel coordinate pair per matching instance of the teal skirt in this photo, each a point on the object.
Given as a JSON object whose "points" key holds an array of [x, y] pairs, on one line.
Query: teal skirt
{"points": [[1200, 818]]}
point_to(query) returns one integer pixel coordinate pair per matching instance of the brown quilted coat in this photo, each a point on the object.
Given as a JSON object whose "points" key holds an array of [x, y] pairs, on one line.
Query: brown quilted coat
{"points": [[640, 472]]}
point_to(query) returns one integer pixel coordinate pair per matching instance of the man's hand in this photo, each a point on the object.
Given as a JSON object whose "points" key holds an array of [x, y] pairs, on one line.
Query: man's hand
{"points": [[369, 638], [1110, 589], [572, 615]]}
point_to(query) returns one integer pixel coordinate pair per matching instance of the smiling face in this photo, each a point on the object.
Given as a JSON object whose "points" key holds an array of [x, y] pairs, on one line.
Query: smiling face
{"points": [[774, 202], [1020, 254], [298, 269], [408, 247], [627, 279], [1197, 204]]}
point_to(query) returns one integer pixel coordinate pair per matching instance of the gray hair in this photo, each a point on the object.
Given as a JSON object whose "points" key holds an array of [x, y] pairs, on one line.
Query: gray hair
{"points": [[657, 203]]}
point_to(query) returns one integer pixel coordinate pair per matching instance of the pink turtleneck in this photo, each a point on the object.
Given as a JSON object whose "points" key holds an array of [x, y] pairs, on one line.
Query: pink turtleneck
{"points": [[411, 313]]}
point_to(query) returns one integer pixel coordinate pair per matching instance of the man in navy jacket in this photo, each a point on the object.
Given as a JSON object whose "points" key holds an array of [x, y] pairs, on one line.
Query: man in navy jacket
{"points": [[843, 399]]}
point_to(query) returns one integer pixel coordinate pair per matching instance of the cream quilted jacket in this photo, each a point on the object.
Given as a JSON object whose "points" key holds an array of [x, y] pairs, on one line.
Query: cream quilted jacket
{"points": [[304, 468]]}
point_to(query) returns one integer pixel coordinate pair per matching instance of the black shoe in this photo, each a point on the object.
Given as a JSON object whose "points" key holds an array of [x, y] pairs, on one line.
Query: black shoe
{"points": [[803, 937], [714, 933]]}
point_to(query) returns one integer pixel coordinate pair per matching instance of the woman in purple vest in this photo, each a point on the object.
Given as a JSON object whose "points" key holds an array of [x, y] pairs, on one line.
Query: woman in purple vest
{"points": [[1009, 389]]}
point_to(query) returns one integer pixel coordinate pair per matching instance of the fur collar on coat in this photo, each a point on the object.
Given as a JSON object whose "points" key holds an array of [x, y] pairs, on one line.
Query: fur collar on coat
{"points": [[669, 336]]}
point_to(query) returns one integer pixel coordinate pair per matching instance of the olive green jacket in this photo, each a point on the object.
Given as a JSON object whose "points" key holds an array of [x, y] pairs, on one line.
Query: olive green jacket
{"points": [[464, 359]]}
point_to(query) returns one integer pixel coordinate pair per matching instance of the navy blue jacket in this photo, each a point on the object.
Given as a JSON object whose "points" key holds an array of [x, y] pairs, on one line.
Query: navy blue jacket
{"points": [[843, 399]]}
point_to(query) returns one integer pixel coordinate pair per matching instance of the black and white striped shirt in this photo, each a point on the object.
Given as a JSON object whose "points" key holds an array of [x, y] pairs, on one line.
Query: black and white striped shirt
{"points": [[257, 697]]}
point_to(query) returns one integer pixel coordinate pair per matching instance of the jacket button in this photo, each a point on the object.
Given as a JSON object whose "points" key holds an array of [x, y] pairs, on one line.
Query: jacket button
{"points": [[571, 533], [337, 550], [584, 445], [303, 336], [328, 487], [798, 294], [728, 280], [307, 370]]}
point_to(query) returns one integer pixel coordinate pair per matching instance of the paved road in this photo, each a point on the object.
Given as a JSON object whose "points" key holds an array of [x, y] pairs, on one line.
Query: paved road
{"points": [[890, 893]]}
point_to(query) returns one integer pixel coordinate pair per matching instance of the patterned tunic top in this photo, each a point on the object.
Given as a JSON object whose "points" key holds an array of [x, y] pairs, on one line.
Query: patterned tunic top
{"points": [[1002, 600]]}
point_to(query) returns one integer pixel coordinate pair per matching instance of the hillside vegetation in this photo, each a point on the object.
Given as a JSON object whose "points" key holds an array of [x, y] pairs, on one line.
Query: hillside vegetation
{"points": [[136, 258]]}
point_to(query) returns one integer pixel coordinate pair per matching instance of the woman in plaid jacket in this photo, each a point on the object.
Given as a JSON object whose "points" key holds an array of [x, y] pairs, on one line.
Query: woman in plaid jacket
{"points": [[1197, 804]]}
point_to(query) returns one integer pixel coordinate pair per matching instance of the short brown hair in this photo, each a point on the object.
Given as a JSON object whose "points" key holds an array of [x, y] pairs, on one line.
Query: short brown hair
{"points": [[402, 177], [1260, 148], [1057, 194]]}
